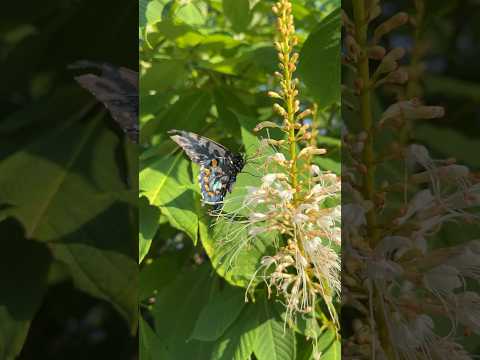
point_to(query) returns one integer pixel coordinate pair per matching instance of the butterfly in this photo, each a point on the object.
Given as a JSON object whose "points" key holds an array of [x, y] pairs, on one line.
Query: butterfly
{"points": [[219, 167]]}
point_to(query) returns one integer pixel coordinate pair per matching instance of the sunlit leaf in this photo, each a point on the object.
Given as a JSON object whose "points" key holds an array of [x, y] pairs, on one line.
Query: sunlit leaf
{"points": [[221, 311], [167, 184], [149, 222], [238, 12], [277, 342], [176, 310], [319, 65]]}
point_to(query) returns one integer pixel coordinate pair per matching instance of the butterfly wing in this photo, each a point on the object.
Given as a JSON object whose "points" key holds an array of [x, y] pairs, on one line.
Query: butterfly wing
{"points": [[213, 185], [199, 149], [117, 89]]}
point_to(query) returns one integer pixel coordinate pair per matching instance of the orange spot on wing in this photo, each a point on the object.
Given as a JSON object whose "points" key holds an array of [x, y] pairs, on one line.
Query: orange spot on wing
{"points": [[214, 162]]}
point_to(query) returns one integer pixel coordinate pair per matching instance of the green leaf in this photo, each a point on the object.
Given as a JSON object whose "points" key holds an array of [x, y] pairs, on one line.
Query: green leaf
{"points": [[452, 87], [53, 164], [161, 75], [24, 266], [155, 275], [176, 311], [239, 340], [167, 184], [97, 272], [329, 164], [184, 35], [188, 113], [319, 65], [304, 348], [193, 13], [275, 341], [83, 209], [220, 312], [150, 344], [329, 346], [149, 223], [150, 11], [238, 13], [142, 9], [252, 172], [235, 254]]}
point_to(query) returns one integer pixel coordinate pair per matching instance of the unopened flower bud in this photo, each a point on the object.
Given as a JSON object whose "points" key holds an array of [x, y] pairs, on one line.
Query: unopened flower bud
{"points": [[274, 95], [412, 110], [394, 22], [399, 76], [376, 52], [274, 142], [294, 58], [265, 124], [304, 114], [311, 150], [279, 110], [374, 11], [353, 50], [296, 105], [389, 62]]}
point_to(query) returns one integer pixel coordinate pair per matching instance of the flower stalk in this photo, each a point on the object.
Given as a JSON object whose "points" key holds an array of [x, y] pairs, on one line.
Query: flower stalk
{"points": [[288, 58], [361, 27], [297, 200]]}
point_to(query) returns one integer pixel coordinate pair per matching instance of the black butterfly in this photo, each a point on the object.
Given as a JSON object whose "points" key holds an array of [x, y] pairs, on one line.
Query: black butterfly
{"points": [[219, 167]]}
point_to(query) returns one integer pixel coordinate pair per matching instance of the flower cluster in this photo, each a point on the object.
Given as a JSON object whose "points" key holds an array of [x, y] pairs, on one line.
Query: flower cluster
{"points": [[296, 200], [393, 275], [307, 265]]}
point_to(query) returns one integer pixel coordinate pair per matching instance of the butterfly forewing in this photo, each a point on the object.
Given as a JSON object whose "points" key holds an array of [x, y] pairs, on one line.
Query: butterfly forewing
{"points": [[117, 89], [198, 148]]}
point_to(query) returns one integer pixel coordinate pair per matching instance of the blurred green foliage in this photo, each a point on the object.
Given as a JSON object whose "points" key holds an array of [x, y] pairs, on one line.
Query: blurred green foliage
{"points": [[67, 213]]}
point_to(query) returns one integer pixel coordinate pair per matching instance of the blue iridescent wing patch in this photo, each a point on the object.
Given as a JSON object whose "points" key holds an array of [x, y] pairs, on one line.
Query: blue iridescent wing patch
{"points": [[218, 165]]}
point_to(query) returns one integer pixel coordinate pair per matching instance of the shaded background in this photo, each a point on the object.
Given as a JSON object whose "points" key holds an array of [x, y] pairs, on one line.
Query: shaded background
{"points": [[449, 52], [38, 96]]}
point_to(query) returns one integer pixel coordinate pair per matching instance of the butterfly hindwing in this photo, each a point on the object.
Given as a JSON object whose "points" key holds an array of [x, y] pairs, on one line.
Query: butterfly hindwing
{"points": [[213, 184], [218, 166]]}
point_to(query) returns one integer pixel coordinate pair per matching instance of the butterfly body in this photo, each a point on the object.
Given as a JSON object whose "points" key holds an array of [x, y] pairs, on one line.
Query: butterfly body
{"points": [[218, 165]]}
